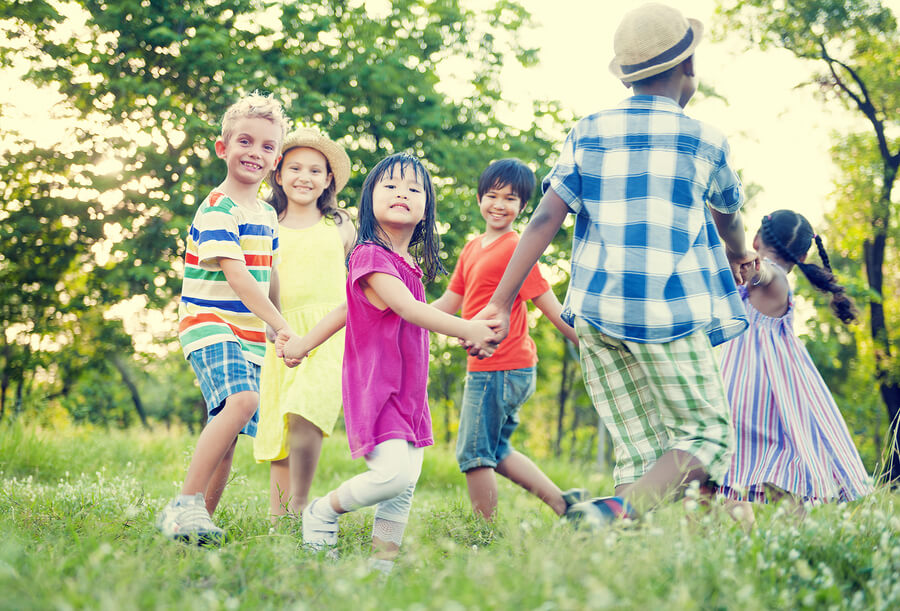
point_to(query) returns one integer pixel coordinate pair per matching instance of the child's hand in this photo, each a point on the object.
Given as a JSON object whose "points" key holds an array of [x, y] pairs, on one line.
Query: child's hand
{"points": [[482, 336], [498, 321], [293, 351], [743, 265], [282, 337]]}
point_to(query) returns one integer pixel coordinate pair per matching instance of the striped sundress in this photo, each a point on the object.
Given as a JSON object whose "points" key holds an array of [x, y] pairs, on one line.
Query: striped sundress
{"points": [[788, 428]]}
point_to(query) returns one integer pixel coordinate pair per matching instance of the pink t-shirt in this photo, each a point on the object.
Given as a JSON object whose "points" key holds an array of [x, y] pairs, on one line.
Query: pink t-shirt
{"points": [[385, 373]]}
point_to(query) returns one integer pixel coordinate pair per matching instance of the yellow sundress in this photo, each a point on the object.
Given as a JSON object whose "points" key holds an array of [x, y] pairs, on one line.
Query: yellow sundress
{"points": [[312, 278]]}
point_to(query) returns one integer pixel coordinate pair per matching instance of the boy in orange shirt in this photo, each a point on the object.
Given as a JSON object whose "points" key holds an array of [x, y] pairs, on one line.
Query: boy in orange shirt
{"points": [[496, 387]]}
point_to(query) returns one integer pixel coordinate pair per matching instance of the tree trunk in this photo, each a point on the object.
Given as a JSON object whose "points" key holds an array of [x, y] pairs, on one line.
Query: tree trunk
{"points": [[132, 388], [873, 250], [562, 397]]}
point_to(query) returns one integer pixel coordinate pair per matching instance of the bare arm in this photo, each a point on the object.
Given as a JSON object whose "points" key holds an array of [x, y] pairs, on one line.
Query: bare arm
{"points": [[731, 230], [544, 224], [246, 288], [769, 290], [386, 291], [293, 348], [275, 298], [347, 231], [449, 302], [552, 309]]}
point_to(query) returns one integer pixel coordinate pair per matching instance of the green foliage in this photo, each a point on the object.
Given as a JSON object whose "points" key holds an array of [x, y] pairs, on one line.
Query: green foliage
{"points": [[101, 217], [77, 510], [856, 46]]}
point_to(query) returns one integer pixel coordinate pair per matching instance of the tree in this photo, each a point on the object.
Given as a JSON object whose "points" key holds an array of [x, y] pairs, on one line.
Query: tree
{"points": [[856, 44], [146, 83]]}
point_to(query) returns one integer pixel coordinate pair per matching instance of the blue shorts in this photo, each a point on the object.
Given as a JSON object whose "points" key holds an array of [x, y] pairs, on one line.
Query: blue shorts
{"points": [[490, 414], [223, 370]]}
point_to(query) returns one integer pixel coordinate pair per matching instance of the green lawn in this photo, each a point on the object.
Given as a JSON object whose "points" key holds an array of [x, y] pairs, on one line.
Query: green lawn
{"points": [[77, 510]]}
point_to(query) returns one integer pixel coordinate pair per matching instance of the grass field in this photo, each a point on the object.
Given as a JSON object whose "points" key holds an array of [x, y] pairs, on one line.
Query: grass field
{"points": [[77, 510]]}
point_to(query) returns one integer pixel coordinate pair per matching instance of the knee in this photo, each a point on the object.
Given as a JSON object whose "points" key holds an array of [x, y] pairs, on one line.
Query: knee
{"points": [[243, 404], [394, 482]]}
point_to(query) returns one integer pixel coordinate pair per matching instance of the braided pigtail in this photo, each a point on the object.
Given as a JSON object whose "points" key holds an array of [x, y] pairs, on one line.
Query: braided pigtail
{"points": [[791, 235]]}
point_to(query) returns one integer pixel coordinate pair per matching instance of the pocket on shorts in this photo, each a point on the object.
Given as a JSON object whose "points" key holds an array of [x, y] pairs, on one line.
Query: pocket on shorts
{"points": [[518, 385]]}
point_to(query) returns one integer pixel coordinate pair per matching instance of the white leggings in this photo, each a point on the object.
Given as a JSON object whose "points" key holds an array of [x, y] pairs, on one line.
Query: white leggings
{"points": [[394, 468]]}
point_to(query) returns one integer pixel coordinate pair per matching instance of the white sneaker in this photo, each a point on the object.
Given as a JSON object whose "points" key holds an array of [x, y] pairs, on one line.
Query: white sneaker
{"points": [[186, 519], [318, 534]]}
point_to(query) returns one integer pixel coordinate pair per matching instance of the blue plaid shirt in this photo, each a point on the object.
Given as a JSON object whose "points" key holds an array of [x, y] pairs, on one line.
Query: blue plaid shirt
{"points": [[647, 262]]}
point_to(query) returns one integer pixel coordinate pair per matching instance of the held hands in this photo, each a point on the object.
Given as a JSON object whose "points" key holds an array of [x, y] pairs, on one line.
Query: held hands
{"points": [[289, 346], [482, 336], [498, 320], [743, 265]]}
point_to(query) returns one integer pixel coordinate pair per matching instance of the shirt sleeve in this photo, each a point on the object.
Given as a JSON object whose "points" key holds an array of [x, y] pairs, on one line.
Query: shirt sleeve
{"points": [[565, 177], [535, 284], [370, 258], [457, 282], [217, 236], [726, 194]]}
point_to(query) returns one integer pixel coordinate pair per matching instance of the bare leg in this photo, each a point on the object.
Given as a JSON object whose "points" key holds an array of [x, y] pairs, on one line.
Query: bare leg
{"points": [[220, 477], [216, 440], [482, 485], [305, 440], [665, 480], [279, 488], [519, 469]]}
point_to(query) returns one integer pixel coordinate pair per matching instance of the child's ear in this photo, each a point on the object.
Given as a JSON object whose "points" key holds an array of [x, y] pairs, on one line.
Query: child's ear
{"points": [[220, 148], [688, 66], [756, 242]]}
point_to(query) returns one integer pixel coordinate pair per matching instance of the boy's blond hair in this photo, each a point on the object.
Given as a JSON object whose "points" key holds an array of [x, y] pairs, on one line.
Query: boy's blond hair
{"points": [[255, 105]]}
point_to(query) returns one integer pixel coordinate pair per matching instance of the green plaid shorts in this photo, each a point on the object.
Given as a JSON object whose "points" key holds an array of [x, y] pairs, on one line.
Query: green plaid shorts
{"points": [[654, 398]]}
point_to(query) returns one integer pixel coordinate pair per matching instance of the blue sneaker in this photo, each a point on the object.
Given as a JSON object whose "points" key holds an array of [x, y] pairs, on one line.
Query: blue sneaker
{"points": [[597, 513]]}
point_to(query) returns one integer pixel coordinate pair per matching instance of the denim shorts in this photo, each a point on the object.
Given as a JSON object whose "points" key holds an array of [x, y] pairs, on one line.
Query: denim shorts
{"points": [[490, 414], [223, 370]]}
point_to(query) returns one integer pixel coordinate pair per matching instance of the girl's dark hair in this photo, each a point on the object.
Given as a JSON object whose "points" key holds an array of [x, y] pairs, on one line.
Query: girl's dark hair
{"points": [[327, 202], [425, 244], [791, 235]]}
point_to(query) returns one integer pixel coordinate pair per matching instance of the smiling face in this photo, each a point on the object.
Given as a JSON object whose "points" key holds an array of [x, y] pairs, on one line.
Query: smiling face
{"points": [[251, 150], [500, 206], [399, 198], [304, 175]]}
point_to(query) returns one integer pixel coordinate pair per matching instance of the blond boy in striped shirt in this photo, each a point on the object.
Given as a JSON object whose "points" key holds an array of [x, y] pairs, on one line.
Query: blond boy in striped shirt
{"points": [[229, 295]]}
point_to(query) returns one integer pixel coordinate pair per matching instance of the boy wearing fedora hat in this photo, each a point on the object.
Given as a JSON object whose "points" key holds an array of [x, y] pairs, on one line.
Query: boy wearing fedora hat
{"points": [[229, 276], [652, 285]]}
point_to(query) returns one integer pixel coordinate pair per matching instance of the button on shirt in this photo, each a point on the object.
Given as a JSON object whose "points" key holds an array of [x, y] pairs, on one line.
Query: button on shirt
{"points": [[647, 261]]}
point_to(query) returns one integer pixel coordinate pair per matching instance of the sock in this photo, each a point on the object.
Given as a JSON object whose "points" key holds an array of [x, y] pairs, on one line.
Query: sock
{"points": [[388, 530]]}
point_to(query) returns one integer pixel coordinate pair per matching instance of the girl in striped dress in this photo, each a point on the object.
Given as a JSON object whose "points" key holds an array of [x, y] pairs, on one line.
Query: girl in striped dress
{"points": [[791, 437]]}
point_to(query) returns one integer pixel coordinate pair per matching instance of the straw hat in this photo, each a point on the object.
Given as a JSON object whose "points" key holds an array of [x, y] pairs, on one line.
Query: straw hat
{"points": [[651, 39], [312, 138]]}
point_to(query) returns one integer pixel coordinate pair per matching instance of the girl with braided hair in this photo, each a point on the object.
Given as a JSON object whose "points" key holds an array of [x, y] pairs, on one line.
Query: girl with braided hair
{"points": [[791, 437]]}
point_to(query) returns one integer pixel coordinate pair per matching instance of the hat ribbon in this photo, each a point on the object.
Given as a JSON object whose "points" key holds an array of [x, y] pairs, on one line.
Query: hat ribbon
{"points": [[667, 55]]}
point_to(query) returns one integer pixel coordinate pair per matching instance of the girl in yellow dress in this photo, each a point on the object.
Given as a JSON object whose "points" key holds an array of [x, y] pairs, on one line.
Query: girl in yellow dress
{"points": [[299, 406]]}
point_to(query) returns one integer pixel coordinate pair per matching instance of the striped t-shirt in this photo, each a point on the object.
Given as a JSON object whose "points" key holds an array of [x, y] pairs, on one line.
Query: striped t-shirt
{"points": [[210, 312]]}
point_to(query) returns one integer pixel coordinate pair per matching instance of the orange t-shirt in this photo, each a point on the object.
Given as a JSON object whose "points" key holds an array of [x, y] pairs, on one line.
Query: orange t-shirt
{"points": [[477, 274]]}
